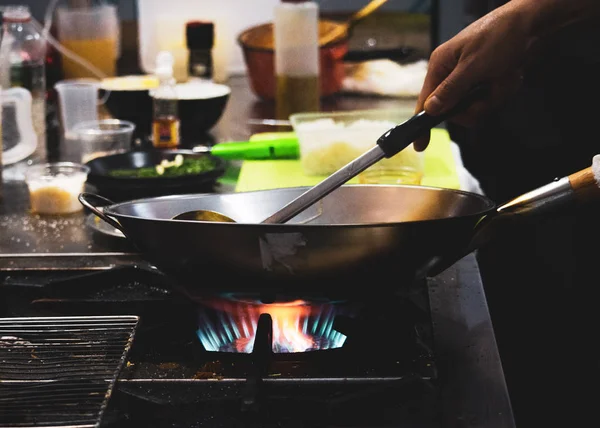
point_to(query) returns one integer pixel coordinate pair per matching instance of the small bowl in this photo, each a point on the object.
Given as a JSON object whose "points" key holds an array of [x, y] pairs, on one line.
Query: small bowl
{"points": [[54, 188], [103, 137], [128, 98], [201, 104]]}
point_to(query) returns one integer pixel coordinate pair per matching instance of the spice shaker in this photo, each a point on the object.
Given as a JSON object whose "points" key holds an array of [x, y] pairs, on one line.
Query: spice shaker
{"points": [[296, 42], [200, 41]]}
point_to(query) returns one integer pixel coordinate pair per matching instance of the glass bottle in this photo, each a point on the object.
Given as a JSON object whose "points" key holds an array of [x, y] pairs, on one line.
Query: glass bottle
{"points": [[22, 64], [296, 41], [165, 123]]}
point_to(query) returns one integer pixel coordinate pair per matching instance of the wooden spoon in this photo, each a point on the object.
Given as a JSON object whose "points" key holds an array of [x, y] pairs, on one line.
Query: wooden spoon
{"points": [[342, 29]]}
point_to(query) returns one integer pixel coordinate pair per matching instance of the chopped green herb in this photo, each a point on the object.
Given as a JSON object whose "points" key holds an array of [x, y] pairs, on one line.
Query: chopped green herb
{"points": [[176, 168]]}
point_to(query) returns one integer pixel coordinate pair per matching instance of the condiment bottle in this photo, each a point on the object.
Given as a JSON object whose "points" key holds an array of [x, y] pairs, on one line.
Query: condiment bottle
{"points": [[22, 64], [296, 43], [165, 122], [200, 40]]}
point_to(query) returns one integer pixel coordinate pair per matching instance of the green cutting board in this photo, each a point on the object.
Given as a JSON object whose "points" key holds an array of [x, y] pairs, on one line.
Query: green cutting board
{"points": [[440, 168]]}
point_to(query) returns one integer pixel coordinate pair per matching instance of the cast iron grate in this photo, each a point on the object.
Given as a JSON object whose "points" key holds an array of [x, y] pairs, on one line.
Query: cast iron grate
{"points": [[60, 371]]}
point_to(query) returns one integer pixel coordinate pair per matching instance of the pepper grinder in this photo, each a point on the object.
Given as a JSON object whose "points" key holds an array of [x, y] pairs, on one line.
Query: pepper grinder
{"points": [[200, 41]]}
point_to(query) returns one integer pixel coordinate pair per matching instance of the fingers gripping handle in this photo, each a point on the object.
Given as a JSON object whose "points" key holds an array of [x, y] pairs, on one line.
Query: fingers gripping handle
{"points": [[401, 136]]}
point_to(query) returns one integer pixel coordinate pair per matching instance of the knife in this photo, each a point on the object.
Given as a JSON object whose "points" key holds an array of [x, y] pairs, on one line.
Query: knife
{"points": [[282, 148]]}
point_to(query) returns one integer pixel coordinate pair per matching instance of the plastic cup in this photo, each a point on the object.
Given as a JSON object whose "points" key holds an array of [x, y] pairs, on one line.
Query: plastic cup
{"points": [[54, 188], [102, 137], [78, 100]]}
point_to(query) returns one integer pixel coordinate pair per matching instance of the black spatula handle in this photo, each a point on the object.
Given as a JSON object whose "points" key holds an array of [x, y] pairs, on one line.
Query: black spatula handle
{"points": [[401, 136]]}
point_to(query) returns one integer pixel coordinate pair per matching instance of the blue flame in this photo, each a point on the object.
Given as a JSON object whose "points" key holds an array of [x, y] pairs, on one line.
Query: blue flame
{"points": [[233, 330]]}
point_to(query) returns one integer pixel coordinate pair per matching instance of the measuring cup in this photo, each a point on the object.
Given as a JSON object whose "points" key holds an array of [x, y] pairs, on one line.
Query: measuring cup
{"points": [[78, 101]]}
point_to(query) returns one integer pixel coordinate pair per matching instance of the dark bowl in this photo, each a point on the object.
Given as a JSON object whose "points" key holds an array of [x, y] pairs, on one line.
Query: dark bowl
{"points": [[128, 98], [200, 105], [128, 188]]}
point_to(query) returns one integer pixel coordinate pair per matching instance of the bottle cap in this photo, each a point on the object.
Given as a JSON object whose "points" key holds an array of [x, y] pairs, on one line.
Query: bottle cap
{"points": [[200, 35], [164, 65], [16, 14]]}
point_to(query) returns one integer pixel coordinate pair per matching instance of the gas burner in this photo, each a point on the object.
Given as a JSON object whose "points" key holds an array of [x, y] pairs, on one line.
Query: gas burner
{"points": [[267, 298], [228, 323]]}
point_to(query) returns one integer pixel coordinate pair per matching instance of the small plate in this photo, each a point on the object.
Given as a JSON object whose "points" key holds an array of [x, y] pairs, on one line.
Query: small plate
{"points": [[99, 225]]}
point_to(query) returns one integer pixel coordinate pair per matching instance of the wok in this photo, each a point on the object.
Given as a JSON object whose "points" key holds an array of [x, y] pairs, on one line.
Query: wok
{"points": [[386, 236]]}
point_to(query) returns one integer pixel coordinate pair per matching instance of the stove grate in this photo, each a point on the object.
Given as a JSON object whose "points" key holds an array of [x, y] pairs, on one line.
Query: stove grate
{"points": [[60, 371]]}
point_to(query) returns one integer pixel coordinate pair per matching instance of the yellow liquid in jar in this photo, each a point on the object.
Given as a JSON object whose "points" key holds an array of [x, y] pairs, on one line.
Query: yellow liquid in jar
{"points": [[54, 200], [296, 94], [101, 53], [406, 167], [391, 176]]}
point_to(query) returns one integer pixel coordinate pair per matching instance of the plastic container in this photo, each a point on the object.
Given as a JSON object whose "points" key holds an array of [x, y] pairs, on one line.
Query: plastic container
{"points": [[329, 141], [93, 34], [103, 137], [78, 102], [18, 135], [296, 42], [54, 188], [22, 64]]}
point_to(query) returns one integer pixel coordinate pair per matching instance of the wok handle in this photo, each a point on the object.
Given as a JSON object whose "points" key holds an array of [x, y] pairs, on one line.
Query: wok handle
{"points": [[87, 199], [584, 183], [581, 186]]}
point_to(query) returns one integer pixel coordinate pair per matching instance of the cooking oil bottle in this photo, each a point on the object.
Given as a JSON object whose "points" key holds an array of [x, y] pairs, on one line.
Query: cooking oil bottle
{"points": [[165, 122], [296, 42]]}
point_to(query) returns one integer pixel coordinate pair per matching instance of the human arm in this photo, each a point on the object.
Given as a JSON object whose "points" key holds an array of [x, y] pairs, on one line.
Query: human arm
{"points": [[493, 50]]}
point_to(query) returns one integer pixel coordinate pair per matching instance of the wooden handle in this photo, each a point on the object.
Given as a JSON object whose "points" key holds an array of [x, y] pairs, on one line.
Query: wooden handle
{"points": [[585, 185], [342, 29]]}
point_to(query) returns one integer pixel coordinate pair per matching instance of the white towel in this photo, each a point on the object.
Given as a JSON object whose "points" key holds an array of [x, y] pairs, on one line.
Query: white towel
{"points": [[385, 77]]}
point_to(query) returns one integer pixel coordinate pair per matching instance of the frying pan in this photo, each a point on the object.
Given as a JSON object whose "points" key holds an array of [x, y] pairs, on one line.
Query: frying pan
{"points": [[356, 234], [128, 188]]}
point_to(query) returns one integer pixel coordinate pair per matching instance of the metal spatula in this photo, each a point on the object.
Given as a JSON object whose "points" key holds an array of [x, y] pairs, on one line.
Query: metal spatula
{"points": [[388, 145]]}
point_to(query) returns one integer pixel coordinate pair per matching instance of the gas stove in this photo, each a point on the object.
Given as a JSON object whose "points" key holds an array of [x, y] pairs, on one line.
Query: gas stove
{"points": [[237, 360]]}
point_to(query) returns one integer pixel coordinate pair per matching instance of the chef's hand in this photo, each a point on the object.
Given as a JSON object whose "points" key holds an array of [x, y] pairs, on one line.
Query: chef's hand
{"points": [[491, 50]]}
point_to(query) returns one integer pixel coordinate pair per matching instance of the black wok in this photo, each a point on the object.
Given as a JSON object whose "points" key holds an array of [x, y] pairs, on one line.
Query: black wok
{"points": [[384, 237]]}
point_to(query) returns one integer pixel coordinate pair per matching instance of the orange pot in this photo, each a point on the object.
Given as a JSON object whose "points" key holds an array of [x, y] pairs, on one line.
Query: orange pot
{"points": [[257, 47]]}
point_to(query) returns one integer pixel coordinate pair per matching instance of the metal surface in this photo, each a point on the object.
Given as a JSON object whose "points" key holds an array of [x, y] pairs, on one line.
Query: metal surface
{"points": [[545, 197], [60, 371], [475, 392], [29, 240], [355, 231], [326, 186]]}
